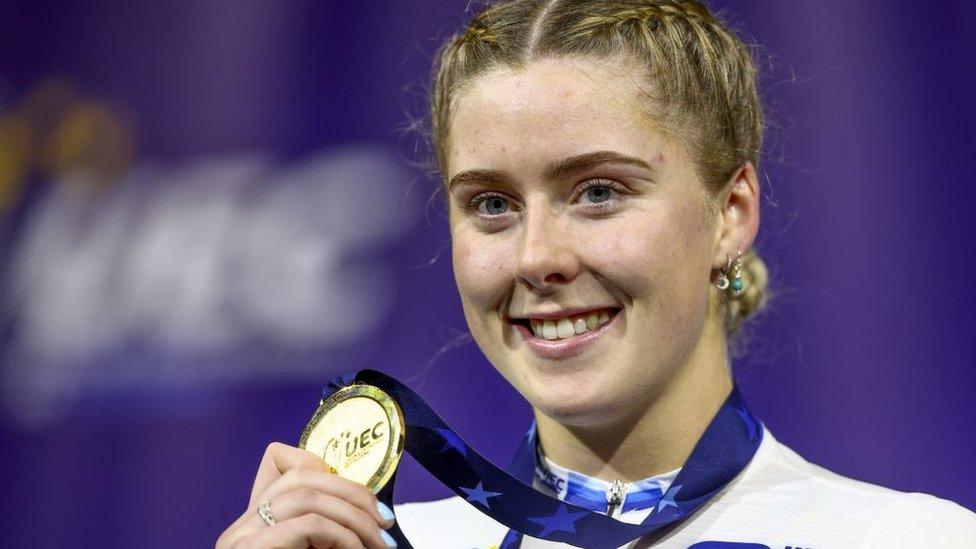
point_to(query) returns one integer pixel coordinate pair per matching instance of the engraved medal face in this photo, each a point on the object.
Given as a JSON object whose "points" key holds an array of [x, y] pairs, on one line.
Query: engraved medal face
{"points": [[359, 432]]}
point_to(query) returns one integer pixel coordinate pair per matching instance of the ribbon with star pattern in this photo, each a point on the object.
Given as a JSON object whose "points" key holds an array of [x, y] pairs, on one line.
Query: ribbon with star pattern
{"points": [[726, 447]]}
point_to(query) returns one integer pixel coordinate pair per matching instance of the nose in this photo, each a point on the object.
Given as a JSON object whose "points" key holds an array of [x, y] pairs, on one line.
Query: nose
{"points": [[546, 257]]}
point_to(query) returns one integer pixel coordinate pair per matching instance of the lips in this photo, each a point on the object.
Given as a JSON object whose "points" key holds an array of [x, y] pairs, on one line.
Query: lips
{"points": [[560, 335]]}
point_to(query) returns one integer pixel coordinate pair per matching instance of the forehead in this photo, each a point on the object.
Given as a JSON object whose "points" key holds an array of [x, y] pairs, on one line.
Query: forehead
{"points": [[553, 108]]}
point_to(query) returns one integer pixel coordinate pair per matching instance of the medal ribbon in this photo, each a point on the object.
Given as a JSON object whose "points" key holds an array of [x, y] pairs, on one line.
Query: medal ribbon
{"points": [[729, 442]]}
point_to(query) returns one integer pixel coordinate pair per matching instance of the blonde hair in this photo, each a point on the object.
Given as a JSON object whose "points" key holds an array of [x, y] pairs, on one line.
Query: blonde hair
{"points": [[697, 70]]}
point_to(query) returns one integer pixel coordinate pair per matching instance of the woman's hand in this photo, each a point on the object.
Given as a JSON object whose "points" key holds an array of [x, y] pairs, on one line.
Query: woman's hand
{"points": [[311, 507]]}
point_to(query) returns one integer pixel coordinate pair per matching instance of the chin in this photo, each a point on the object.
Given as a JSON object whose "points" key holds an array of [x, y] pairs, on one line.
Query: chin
{"points": [[574, 402], [580, 414]]}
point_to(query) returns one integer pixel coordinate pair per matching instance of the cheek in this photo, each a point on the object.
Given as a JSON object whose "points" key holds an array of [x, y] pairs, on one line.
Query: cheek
{"points": [[481, 268], [658, 258]]}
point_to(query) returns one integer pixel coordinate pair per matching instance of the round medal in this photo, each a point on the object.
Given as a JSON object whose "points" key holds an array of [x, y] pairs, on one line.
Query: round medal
{"points": [[359, 432]]}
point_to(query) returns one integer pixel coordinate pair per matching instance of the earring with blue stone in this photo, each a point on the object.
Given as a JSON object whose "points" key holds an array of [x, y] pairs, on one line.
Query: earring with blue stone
{"points": [[738, 285], [731, 277]]}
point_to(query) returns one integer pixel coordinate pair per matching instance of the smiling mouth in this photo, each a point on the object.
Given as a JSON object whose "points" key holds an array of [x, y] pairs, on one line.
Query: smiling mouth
{"points": [[567, 326]]}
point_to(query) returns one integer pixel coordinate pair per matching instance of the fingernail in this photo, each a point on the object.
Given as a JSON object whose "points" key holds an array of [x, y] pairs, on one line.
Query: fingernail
{"points": [[385, 511], [387, 538]]}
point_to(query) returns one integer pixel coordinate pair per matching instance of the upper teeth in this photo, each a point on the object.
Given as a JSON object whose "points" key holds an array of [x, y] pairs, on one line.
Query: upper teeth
{"points": [[561, 328]]}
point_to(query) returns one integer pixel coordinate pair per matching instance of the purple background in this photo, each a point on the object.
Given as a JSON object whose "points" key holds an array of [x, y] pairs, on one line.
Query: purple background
{"points": [[864, 364]]}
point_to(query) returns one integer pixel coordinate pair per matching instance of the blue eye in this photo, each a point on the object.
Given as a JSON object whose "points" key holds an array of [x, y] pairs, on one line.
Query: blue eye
{"points": [[493, 205], [598, 193]]}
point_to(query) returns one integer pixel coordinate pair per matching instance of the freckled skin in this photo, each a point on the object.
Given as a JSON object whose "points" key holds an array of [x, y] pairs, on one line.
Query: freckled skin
{"points": [[652, 256], [633, 402]]}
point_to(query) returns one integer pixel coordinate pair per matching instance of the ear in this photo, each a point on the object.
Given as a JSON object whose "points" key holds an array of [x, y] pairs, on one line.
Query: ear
{"points": [[738, 215]]}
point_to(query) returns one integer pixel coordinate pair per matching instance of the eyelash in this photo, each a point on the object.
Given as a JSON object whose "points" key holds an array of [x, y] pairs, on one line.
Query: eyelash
{"points": [[615, 187], [476, 200], [489, 222]]}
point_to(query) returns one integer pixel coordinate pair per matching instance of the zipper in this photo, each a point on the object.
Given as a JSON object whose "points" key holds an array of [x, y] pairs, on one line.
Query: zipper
{"points": [[615, 496]]}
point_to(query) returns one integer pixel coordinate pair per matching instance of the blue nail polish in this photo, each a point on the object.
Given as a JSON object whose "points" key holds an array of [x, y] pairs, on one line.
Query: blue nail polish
{"points": [[387, 538], [385, 511]]}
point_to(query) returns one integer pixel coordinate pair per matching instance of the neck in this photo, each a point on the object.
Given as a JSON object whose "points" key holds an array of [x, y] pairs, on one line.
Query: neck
{"points": [[658, 437]]}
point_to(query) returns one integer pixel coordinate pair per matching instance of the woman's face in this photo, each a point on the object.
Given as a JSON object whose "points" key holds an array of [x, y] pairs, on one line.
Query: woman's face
{"points": [[581, 247]]}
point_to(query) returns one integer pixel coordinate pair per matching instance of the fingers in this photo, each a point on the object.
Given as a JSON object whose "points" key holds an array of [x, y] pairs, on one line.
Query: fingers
{"points": [[306, 518], [330, 484], [302, 532], [305, 501], [312, 506], [278, 459]]}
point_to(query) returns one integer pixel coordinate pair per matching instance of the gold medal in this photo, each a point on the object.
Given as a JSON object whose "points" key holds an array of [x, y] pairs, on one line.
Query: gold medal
{"points": [[359, 432]]}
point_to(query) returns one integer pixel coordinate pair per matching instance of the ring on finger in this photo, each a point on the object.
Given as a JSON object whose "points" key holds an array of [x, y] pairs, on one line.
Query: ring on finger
{"points": [[264, 511]]}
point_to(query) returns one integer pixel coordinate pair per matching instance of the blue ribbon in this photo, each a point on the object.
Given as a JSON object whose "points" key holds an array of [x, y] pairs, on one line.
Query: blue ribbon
{"points": [[729, 442]]}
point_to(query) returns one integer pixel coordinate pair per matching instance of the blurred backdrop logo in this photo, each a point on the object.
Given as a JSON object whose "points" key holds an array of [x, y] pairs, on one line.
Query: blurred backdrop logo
{"points": [[121, 273]]}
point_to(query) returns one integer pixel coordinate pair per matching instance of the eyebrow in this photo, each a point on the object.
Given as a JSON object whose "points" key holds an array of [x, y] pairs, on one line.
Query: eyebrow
{"points": [[586, 161], [556, 170]]}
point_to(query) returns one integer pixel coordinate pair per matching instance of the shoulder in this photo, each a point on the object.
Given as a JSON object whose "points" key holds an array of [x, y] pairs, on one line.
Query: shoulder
{"points": [[450, 522], [922, 520], [782, 487]]}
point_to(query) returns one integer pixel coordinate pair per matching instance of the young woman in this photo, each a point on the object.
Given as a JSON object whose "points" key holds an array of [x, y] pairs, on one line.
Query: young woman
{"points": [[599, 158]]}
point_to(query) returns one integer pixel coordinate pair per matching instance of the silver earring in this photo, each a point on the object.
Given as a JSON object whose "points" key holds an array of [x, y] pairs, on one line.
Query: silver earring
{"points": [[731, 276]]}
